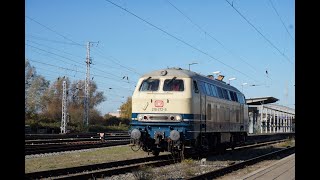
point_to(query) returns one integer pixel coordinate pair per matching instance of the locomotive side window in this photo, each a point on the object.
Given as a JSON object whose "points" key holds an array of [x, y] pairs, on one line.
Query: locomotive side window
{"points": [[213, 90], [173, 85], [233, 96], [149, 85], [195, 86], [241, 99], [220, 92], [208, 89], [225, 94]]}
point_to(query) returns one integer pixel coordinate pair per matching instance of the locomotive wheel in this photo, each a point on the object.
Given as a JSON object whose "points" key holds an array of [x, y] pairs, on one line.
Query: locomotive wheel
{"points": [[135, 147], [155, 152]]}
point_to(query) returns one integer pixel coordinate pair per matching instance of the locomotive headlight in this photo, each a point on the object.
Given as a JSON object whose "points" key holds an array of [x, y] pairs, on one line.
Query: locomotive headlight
{"points": [[135, 134], [178, 117], [140, 116], [174, 135]]}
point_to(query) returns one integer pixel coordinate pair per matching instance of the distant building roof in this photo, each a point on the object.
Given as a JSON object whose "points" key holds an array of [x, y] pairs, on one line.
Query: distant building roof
{"points": [[261, 100], [281, 108]]}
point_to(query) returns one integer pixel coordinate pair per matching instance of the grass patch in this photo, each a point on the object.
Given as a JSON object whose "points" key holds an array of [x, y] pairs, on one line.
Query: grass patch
{"points": [[188, 161], [290, 142], [73, 159]]}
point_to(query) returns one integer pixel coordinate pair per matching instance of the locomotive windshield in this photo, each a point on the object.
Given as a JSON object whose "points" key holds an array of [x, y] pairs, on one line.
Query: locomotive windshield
{"points": [[173, 85], [150, 85]]}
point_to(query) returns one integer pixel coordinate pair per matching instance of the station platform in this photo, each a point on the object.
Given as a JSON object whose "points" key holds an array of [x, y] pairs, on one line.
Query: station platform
{"points": [[283, 169]]}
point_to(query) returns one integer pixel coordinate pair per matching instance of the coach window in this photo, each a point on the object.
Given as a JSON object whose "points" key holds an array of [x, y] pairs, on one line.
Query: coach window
{"points": [[173, 85], [195, 86], [149, 85]]}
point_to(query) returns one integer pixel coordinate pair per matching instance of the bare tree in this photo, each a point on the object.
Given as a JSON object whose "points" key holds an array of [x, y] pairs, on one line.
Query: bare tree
{"points": [[35, 86]]}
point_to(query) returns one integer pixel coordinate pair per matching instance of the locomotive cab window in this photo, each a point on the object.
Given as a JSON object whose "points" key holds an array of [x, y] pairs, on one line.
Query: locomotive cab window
{"points": [[173, 85], [149, 85]]}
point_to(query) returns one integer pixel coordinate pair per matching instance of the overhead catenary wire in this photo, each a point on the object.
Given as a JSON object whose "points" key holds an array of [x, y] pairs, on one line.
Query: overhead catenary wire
{"points": [[123, 66], [118, 77], [265, 38], [53, 31], [54, 49], [74, 70], [63, 56], [274, 8], [211, 36], [53, 53], [72, 40], [70, 59], [54, 41], [179, 39]]}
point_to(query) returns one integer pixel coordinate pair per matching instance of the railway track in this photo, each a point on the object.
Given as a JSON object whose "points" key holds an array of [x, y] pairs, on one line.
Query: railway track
{"points": [[65, 143], [38, 146], [119, 167], [71, 135], [100, 170], [240, 165], [67, 140], [50, 148]]}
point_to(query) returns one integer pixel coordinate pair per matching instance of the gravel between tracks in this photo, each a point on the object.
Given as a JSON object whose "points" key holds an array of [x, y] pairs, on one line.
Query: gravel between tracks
{"points": [[192, 167]]}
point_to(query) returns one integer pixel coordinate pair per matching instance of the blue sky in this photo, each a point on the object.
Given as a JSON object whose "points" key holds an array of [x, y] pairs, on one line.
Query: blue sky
{"points": [[211, 33]]}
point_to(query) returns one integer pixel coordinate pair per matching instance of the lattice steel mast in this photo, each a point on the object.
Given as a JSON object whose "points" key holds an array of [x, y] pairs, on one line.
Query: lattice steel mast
{"points": [[63, 126], [87, 86]]}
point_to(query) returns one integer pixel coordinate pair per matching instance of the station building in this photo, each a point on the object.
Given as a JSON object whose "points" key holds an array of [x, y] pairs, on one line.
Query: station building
{"points": [[267, 117]]}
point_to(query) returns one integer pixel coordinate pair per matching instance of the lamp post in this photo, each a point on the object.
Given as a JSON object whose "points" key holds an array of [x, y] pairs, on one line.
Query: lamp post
{"points": [[232, 79], [191, 64]]}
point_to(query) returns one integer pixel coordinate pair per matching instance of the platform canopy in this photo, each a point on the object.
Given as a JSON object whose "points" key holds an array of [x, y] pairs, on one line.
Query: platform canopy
{"points": [[261, 100]]}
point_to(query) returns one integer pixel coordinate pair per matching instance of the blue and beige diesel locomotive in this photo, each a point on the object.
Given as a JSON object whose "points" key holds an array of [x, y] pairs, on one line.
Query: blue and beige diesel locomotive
{"points": [[176, 110]]}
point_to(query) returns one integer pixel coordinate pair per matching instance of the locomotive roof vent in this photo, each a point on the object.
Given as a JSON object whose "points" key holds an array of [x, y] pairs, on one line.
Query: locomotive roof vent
{"points": [[210, 76], [177, 68], [220, 77]]}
